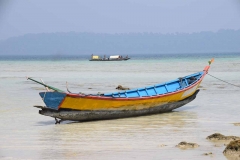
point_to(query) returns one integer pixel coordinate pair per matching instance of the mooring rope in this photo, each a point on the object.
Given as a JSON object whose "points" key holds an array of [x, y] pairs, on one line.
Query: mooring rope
{"points": [[223, 80]]}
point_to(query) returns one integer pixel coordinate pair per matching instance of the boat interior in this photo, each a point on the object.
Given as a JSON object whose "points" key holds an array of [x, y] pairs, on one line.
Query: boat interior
{"points": [[162, 88]]}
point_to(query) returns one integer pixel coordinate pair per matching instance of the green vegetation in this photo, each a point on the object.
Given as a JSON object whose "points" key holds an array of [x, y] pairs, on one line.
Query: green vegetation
{"points": [[140, 43]]}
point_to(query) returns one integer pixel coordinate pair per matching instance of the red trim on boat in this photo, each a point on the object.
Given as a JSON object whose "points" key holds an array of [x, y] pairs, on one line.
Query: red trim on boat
{"points": [[206, 68], [142, 98]]}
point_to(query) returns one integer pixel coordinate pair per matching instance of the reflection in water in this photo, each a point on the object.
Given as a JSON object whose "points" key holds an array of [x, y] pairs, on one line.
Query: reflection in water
{"points": [[27, 135], [97, 138]]}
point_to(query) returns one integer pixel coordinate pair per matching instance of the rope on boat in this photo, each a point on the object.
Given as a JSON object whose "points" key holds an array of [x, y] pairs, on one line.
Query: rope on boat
{"points": [[44, 96], [67, 88], [223, 80]]}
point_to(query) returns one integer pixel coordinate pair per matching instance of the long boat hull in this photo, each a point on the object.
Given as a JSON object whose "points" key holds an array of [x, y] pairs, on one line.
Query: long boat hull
{"points": [[89, 115], [159, 98]]}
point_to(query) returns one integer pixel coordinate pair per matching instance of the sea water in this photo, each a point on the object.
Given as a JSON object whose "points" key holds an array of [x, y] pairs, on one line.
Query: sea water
{"points": [[25, 134]]}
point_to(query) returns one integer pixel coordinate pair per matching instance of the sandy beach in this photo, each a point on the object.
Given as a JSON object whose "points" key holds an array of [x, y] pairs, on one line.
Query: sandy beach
{"points": [[27, 135]]}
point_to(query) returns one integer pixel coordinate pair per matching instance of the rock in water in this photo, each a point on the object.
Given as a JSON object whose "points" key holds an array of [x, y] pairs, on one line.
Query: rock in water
{"points": [[219, 137], [233, 149], [119, 87], [209, 153], [236, 124], [185, 145]]}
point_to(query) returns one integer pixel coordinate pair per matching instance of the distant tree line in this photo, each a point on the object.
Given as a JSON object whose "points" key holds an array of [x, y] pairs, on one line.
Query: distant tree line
{"points": [[73, 43]]}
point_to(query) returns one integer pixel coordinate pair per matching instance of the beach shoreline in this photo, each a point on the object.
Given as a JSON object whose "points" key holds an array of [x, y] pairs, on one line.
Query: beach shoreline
{"points": [[25, 134]]}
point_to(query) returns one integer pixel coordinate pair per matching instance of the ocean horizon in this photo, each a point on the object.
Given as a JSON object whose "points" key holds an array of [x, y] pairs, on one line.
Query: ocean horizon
{"points": [[63, 57]]}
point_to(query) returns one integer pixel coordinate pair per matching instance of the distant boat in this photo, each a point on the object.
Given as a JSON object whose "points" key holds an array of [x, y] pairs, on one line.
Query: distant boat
{"points": [[111, 58], [159, 98]]}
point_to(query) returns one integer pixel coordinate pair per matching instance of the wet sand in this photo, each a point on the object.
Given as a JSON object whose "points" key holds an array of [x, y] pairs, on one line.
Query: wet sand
{"points": [[27, 135]]}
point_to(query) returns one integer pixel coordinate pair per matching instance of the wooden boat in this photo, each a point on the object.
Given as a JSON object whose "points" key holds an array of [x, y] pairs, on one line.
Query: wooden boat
{"points": [[111, 58], [158, 98]]}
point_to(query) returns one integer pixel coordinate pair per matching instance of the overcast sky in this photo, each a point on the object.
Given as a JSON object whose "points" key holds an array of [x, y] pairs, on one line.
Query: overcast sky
{"points": [[19, 17]]}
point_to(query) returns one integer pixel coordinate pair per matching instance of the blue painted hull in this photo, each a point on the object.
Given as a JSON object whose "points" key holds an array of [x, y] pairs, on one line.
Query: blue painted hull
{"points": [[158, 89], [52, 99]]}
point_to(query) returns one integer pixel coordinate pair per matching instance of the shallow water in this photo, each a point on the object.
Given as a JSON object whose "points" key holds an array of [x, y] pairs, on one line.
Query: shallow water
{"points": [[27, 135]]}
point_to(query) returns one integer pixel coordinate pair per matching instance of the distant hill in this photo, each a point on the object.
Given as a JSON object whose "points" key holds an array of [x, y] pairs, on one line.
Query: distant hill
{"points": [[129, 43]]}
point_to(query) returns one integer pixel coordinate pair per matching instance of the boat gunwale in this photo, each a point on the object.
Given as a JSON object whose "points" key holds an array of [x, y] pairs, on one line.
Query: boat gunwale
{"points": [[99, 97]]}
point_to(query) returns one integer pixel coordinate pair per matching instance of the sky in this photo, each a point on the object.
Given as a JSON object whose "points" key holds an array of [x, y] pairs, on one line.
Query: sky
{"points": [[19, 17]]}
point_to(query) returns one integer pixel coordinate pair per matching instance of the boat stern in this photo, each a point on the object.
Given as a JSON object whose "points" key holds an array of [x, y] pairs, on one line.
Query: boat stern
{"points": [[52, 99]]}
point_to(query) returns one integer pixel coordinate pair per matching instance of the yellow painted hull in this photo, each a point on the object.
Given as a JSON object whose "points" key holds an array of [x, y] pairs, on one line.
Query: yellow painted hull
{"points": [[89, 115], [80, 107], [77, 102]]}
